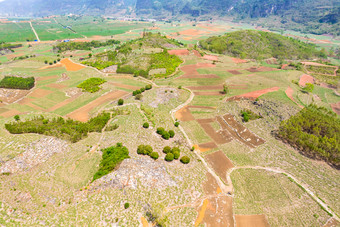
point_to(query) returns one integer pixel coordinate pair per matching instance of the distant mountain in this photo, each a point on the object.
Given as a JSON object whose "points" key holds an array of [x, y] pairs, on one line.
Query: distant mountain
{"points": [[290, 12]]}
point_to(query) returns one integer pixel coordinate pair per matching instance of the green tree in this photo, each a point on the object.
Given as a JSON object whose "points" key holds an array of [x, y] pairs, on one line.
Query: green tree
{"points": [[146, 125], [171, 133], [154, 155], [185, 159], [17, 117], [120, 102], [169, 157], [167, 149]]}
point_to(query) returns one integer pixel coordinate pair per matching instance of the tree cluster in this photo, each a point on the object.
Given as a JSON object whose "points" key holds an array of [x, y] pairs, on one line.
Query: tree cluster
{"points": [[165, 134], [249, 115], [59, 127], [315, 131], [69, 46], [147, 150], [112, 156], [15, 82]]}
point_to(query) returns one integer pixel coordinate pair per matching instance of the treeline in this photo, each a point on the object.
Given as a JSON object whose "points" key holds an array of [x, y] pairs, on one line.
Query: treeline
{"points": [[9, 46], [112, 156], [251, 44], [59, 127], [65, 46], [15, 82], [316, 132]]}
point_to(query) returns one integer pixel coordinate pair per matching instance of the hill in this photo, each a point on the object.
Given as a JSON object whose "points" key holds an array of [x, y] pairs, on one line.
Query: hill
{"points": [[252, 44]]}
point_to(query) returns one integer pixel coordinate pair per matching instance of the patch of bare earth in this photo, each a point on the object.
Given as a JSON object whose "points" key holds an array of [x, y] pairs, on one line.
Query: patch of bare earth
{"points": [[203, 147], [179, 52], [234, 72], [38, 93], [258, 220], [209, 93], [126, 86], [289, 93], [336, 107], [210, 57], [261, 69], [12, 95], [190, 71], [184, 114], [163, 96], [306, 79], [238, 60], [254, 94]]}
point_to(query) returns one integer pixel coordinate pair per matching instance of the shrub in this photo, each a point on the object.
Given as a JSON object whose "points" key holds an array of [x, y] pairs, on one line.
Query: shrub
{"points": [[192, 148], [171, 133], [175, 149], [126, 205], [91, 84], [176, 154], [185, 159], [148, 150], [17, 117], [138, 96], [154, 155], [140, 149], [160, 130], [142, 89], [169, 157], [146, 125], [111, 157], [134, 93], [167, 149], [176, 124], [148, 87], [120, 102], [138, 92], [166, 135]]}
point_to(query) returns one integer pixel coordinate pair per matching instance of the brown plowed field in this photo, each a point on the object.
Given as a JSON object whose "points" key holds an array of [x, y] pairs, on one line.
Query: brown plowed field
{"points": [[208, 93], [257, 220], [331, 223], [253, 94], [261, 69], [210, 57], [82, 114], [216, 136], [210, 186], [209, 87], [12, 95], [205, 121], [71, 66], [190, 71], [24, 101], [199, 76], [179, 52], [192, 32], [126, 86], [184, 114], [45, 78], [203, 147], [306, 79], [238, 60], [216, 212], [196, 53], [242, 131], [38, 93], [234, 72], [220, 163], [57, 65]]}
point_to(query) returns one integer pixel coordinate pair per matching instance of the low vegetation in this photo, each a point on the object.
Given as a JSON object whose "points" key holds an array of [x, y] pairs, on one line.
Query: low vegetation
{"points": [[59, 127], [91, 84], [165, 134], [315, 131], [253, 44], [15, 82], [69, 46], [112, 156], [249, 115]]}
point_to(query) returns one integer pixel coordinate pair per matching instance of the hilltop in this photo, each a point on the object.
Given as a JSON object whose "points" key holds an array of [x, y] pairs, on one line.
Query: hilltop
{"points": [[251, 44]]}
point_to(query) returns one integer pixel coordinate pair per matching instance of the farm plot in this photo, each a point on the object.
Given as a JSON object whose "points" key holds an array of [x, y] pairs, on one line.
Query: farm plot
{"points": [[220, 163], [12, 95], [204, 147], [71, 66], [220, 137], [251, 221], [261, 69], [184, 114], [190, 71], [306, 79], [82, 114], [253, 95], [179, 52]]}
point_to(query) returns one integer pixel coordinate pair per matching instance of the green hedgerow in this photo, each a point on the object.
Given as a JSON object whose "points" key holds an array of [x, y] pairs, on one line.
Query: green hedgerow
{"points": [[185, 160], [169, 157]]}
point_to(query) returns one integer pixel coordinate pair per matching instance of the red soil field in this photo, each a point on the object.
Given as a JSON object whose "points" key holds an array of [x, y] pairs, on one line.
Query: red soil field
{"points": [[209, 87], [306, 79], [184, 114], [261, 69], [82, 114], [238, 60], [202, 107], [10, 113], [205, 121], [253, 94], [210, 57], [336, 107], [45, 78], [179, 52], [234, 72], [206, 146], [220, 163], [126, 86], [289, 93], [210, 186], [71, 66], [208, 93], [196, 53], [257, 220], [190, 71], [192, 32], [220, 137]]}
